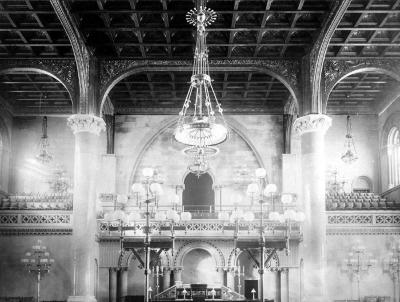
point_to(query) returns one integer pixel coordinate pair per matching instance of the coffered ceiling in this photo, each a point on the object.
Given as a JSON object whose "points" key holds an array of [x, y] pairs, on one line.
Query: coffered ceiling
{"points": [[157, 29]]}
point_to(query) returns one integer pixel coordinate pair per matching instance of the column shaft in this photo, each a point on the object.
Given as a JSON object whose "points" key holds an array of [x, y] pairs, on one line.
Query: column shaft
{"points": [[278, 285], [166, 279], [312, 129], [112, 285], [87, 161], [230, 279]]}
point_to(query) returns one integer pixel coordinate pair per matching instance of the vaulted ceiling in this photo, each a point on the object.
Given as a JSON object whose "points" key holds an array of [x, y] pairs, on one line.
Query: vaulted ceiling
{"points": [[157, 29]]}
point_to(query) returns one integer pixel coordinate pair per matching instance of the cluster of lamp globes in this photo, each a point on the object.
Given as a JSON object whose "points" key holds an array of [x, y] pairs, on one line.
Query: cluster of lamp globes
{"points": [[256, 189], [147, 190], [38, 259]]}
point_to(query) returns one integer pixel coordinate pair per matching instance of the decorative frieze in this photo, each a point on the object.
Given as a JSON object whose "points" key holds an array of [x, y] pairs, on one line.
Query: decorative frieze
{"points": [[35, 231], [111, 70], [63, 70], [312, 123], [334, 70], [370, 219], [36, 219], [86, 123]]}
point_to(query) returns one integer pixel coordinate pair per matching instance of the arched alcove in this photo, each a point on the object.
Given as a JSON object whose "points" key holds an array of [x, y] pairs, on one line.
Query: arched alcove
{"points": [[199, 267], [198, 194]]}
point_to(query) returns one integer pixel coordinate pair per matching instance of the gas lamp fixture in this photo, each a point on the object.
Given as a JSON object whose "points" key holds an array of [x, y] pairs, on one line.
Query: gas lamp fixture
{"points": [[350, 154], [202, 124]]}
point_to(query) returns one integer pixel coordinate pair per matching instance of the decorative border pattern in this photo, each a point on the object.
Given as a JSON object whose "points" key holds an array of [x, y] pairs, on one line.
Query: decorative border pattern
{"points": [[13, 219], [35, 232], [373, 219]]}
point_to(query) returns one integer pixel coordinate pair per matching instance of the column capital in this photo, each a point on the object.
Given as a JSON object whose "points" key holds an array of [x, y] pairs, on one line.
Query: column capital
{"points": [[86, 123], [312, 123]]}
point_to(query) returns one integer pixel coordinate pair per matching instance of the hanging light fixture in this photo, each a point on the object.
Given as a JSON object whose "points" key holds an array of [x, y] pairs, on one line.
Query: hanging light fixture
{"points": [[200, 157], [203, 123], [350, 154], [44, 155]]}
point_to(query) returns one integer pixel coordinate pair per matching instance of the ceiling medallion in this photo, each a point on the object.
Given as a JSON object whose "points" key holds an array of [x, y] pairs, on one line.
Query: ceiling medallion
{"points": [[202, 124]]}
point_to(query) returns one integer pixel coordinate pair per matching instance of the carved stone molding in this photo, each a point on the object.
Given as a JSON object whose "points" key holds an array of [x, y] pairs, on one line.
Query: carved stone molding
{"points": [[86, 123], [213, 249], [312, 123], [35, 232], [81, 52], [320, 47], [334, 70], [110, 70], [64, 70], [362, 231]]}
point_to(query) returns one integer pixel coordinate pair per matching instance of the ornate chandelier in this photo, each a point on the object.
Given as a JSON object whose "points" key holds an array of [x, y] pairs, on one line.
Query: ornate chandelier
{"points": [[44, 155], [200, 125], [200, 157], [350, 154]]}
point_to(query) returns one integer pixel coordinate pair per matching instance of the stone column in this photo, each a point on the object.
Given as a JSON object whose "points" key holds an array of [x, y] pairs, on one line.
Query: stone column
{"points": [[178, 275], [112, 284], [166, 278], [278, 285], [286, 296], [230, 278], [221, 272], [312, 130], [87, 158], [122, 282]]}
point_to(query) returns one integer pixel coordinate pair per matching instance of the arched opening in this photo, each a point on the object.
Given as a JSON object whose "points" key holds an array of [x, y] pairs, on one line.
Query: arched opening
{"points": [[199, 267], [198, 195], [361, 91], [393, 153]]}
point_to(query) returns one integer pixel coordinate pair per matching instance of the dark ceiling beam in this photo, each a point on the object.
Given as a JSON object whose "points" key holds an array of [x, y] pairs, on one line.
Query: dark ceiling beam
{"points": [[232, 34], [183, 12], [355, 25], [167, 33], [135, 20], [15, 26], [292, 25], [281, 27], [262, 30], [107, 22], [317, 55], [82, 56]]}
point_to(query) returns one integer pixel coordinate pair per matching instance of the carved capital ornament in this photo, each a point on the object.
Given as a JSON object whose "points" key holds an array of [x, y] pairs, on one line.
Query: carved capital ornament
{"points": [[312, 123], [86, 123]]}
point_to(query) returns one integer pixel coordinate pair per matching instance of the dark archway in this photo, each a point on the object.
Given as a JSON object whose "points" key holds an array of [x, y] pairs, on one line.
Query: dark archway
{"points": [[198, 195]]}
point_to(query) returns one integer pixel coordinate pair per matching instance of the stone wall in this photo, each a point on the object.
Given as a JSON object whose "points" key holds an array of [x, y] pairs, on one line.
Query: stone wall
{"points": [[29, 175], [374, 283], [146, 141], [16, 281]]}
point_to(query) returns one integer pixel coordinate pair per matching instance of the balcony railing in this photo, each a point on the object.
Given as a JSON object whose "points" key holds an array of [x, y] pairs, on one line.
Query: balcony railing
{"points": [[37, 202]]}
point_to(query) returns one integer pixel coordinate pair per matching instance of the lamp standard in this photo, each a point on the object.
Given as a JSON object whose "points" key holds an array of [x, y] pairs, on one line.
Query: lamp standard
{"points": [[38, 262], [392, 265], [357, 262], [152, 190], [269, 190]]}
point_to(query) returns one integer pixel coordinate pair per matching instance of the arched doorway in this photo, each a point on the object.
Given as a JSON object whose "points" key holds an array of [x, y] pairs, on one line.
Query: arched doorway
{"points": [[199, 267], [198, 195]]}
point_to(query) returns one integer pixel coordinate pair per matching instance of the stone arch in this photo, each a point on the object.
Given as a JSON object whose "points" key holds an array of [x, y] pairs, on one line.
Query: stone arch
{"points": [[392, 121], [112, 72], [129, 256], [274, 262], [146, 142], [62, 75], [5, 153], [336, 71], [214, 251]]}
